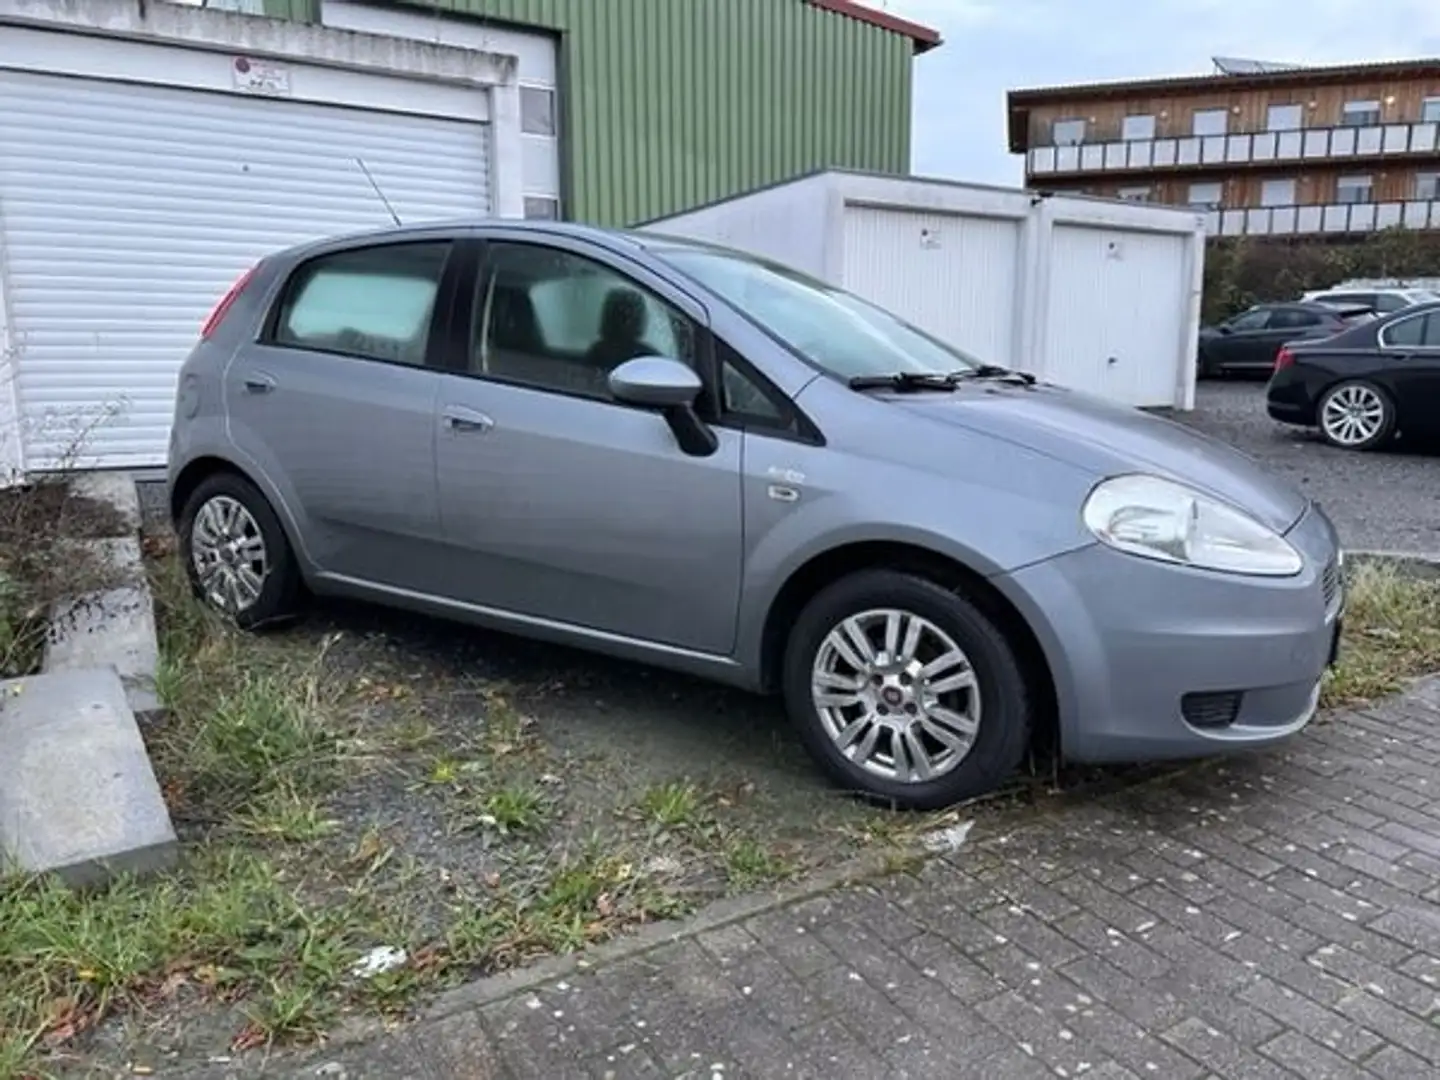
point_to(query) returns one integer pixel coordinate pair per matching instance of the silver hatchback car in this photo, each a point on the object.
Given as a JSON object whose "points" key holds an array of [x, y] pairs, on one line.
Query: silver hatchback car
{"points": [[686, 456]]}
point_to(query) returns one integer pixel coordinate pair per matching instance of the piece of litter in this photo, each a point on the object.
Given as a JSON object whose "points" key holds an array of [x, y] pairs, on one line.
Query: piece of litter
{"points": [[379, 960], [942, 841]]}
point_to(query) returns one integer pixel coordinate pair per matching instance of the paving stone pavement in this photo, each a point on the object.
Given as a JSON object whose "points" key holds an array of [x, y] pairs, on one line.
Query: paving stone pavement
{"points": [[1273, 915]]}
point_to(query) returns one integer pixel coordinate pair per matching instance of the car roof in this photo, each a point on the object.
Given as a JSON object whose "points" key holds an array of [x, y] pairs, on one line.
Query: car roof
{"points": [[618, 240]]}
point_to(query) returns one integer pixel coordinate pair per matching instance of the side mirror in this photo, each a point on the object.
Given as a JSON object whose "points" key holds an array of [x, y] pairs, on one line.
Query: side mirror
{"points": [[655, 382], [1225, 328]]}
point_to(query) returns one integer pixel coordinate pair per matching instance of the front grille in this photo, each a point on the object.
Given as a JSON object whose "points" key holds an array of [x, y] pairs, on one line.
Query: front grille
{"points": [[1211, 710], [1330, 582]]}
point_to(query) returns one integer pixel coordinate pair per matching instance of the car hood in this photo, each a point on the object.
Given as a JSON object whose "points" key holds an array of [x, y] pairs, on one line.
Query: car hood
{"points": [[1107, 440]]}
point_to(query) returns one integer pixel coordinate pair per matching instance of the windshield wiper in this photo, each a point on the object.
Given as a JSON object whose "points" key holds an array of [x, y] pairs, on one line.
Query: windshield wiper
{"points": [[930, 380], [904, 380], [995, 371]]}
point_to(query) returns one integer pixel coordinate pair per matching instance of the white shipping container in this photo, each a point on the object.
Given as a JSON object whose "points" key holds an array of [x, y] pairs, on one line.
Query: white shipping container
{"points": [[1096, 294]]}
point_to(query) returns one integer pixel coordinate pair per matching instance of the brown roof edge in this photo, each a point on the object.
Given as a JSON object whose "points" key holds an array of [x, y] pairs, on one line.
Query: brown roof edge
{"points": [[1171, 83], [924, 37]]}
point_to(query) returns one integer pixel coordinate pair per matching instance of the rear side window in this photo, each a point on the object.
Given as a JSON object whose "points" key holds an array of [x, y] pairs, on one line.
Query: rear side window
{"points": [[1418, 331], [1388, 302], [1287, 318], [374, 303]]}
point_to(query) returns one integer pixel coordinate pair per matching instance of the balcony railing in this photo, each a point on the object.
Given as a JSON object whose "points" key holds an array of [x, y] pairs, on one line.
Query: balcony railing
{"points": [[1246, 148], [1333, 218]]}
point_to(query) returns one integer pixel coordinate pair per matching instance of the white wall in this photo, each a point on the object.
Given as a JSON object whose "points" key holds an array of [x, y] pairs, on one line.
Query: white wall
{"points": [[976, 266], [537, 70], [787, 222]]}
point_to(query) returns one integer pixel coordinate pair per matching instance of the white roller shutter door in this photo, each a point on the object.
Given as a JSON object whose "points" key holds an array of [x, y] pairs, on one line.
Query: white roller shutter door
{"points": [[127, 210]]}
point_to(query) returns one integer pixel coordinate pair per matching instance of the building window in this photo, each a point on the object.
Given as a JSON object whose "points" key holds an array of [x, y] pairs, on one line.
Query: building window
{"points": [[1067, 132], [542, 208], [1137, 127], [1284, 118], [1353, 189], [1210, 122], [1360, 113], [1430, 110], [537, 110], [1279, 192], [1206, 196], [1427, 185], [1139, 193]]}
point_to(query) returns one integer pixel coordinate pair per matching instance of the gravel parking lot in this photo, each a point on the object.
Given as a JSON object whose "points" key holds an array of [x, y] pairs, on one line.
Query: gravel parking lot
{"points": [[1386, 501]]}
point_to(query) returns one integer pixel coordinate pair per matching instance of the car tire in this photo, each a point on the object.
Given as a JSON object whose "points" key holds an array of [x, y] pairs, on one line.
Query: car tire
{"points": [[1356, 415], [998, 703], [1206, 369], [230, 507]]}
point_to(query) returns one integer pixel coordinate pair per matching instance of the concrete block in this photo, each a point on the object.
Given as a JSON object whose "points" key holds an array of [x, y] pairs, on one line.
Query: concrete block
{"points": [[114, 488], [114, 628], [78, 797]]}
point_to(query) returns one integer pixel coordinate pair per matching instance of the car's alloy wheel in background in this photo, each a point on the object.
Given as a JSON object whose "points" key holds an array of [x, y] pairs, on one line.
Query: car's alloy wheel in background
{"points": [[236, 554], [905, 691], [1356, 415]]}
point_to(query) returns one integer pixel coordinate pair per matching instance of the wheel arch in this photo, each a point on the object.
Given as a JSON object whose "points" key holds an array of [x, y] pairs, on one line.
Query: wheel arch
{"points": [[828, 566]]}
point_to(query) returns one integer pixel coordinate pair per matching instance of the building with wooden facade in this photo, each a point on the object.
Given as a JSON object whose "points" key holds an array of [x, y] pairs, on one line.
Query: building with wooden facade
{"points": [[1263, 149]]}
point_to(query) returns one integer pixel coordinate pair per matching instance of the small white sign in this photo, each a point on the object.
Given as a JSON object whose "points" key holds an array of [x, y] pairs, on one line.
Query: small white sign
{"points": [[260, 76], [929, 239]]}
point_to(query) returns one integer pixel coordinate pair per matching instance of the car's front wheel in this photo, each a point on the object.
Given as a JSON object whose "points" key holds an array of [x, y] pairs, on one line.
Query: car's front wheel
{"points": [[236, 554], [905, 691], [1356, 415]]}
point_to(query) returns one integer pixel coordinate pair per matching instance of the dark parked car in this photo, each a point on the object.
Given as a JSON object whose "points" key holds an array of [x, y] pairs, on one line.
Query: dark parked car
{"points": [[1249, 341], [1366, 385]]}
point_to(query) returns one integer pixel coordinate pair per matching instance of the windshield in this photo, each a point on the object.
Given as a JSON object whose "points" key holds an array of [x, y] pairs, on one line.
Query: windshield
{"points": [[834, 330]]}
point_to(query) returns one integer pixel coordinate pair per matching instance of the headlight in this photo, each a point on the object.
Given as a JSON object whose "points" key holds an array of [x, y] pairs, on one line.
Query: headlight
{"points": [[1160, 519]]}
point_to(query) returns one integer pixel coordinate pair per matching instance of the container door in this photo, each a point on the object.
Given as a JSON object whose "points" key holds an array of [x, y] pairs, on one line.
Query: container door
{"points": [[1116, 306], [953, 275]]}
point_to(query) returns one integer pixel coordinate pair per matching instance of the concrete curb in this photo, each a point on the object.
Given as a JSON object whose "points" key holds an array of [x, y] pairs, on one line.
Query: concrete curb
{"points": [[80, 799], [114, 627], [505, 985], [1413, 563]]}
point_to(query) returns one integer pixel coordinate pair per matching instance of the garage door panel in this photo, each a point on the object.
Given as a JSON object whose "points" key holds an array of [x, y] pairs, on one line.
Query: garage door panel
{"points": [[1116, 308], [922, 266], [128, 210]]}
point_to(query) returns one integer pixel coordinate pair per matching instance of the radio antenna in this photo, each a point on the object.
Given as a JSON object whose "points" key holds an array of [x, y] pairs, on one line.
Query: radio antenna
{"points": [[379, 194]]}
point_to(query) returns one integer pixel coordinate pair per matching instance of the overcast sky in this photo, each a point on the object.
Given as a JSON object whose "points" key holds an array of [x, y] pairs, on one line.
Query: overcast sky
{"points": [[992, 46]]}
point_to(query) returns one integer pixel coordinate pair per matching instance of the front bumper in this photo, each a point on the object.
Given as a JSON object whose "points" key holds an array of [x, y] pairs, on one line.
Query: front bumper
{"points": [[1156, 661]]}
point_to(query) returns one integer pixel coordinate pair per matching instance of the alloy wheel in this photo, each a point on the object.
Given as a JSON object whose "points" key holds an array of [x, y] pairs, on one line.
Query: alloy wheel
{"points": [[228, 552], [897, 696], [1353, 415]]}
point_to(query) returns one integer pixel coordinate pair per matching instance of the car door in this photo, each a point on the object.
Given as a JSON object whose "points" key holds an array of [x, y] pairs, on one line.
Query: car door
{"points": [[560, 503], [1241, 339], [336, 402], [1412, 376]]}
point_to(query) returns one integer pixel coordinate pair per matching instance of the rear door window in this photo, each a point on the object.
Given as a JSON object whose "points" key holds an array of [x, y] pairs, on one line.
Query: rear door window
{"points": [[1412, 333], [373, 303]]}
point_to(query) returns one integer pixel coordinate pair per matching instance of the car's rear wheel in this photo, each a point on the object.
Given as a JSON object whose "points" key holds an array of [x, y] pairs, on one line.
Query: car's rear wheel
{"points": [[236, 554], [905, 691], [1356, 415]]}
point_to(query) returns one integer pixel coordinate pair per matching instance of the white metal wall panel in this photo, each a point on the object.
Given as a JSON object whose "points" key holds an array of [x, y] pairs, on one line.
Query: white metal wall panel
{"points": [[1117, 303], [535, 52], [127, 210], [954, 275]]}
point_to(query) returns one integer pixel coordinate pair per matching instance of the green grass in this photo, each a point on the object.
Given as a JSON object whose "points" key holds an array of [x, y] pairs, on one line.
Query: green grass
{"points": [[1392, 634]]}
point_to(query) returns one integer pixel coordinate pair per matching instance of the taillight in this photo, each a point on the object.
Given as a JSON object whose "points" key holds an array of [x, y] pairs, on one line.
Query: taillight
{"points": [[217, 315], [1284, 358]]}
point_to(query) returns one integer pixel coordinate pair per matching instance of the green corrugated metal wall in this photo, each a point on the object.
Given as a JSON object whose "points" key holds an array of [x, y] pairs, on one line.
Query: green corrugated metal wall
{"points": [[674, 103]]}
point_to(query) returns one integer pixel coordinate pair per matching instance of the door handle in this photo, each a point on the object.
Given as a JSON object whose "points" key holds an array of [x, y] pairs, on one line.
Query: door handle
{"points": [[459, 418], [259, 383]]}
